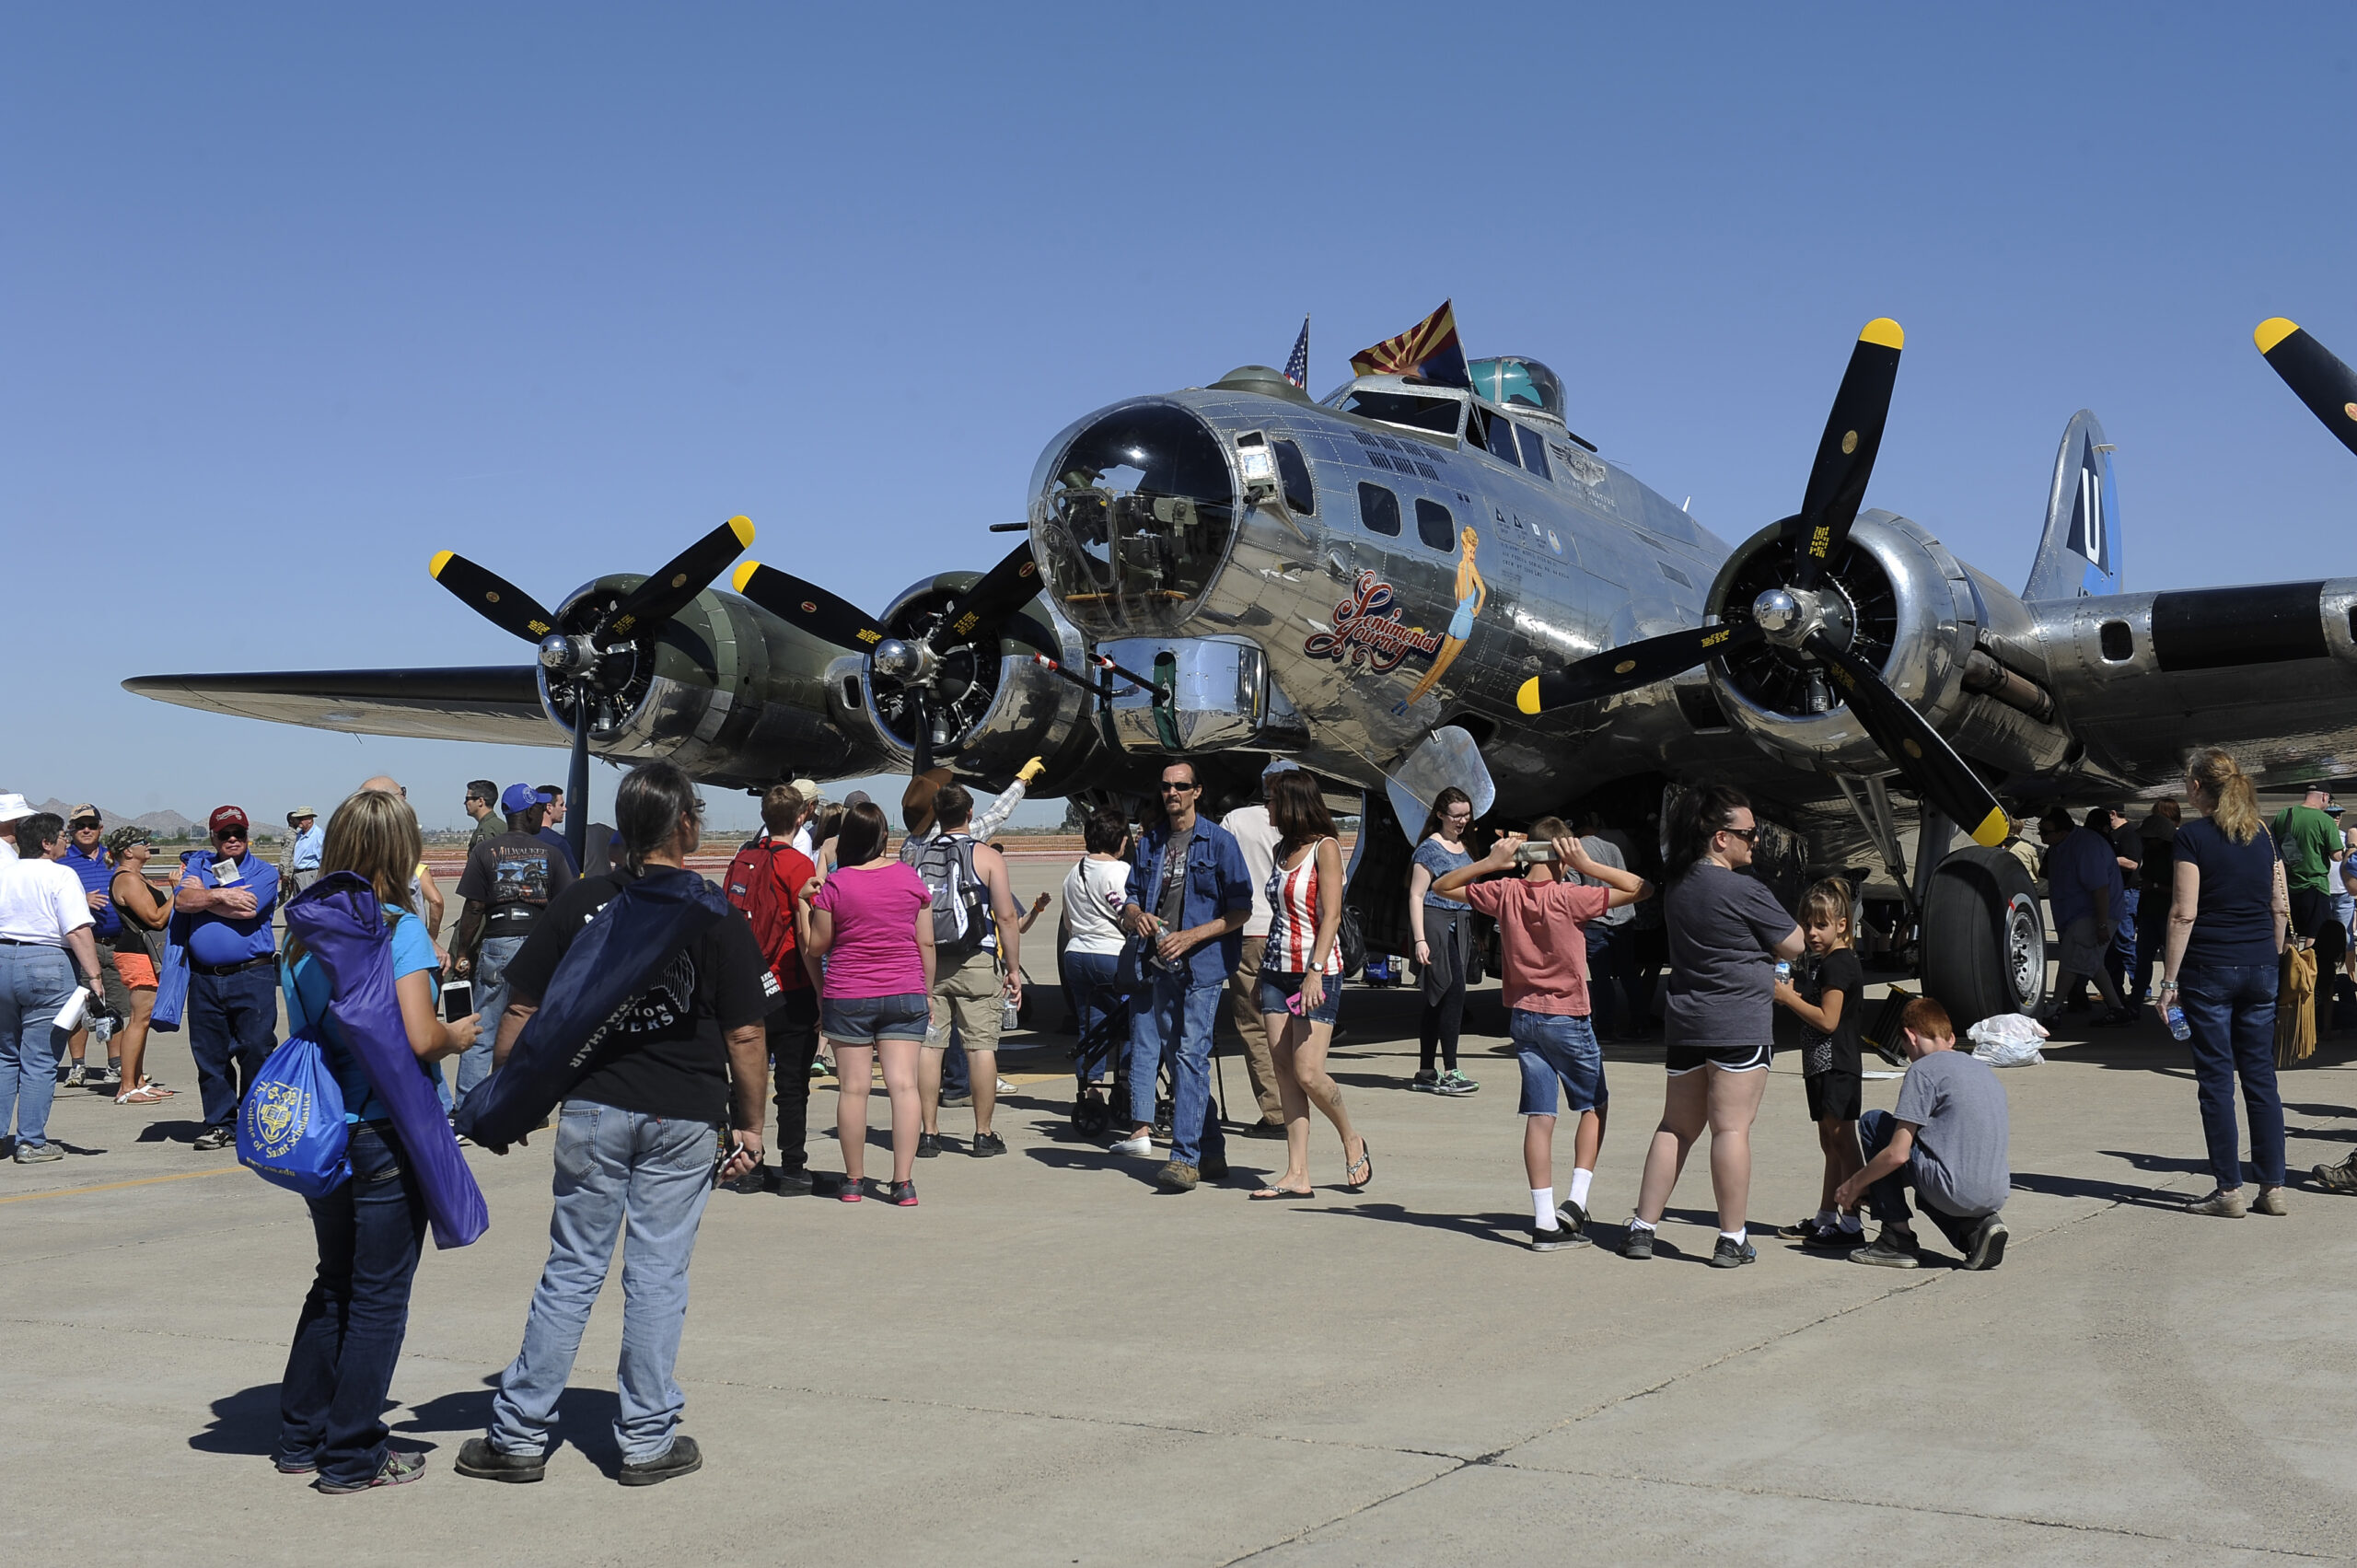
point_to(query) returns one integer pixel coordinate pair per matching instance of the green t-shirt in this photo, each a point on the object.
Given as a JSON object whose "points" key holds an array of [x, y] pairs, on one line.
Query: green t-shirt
{"points": [[2307, 840]]}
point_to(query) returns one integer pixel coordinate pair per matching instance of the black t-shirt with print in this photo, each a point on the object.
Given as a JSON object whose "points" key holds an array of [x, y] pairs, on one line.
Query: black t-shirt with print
{"points": [[514, 877], [668, 1054], [1836, 1052]]}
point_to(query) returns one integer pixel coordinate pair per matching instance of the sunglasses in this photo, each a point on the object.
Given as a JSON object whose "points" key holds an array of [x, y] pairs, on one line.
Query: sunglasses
{"points": [[81, 823], [1748, 835], [227, 835], [1178, 789]]}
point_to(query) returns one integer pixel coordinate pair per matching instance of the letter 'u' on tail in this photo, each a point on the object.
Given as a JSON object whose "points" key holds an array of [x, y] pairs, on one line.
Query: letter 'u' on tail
{"points": [[2079, 556]]}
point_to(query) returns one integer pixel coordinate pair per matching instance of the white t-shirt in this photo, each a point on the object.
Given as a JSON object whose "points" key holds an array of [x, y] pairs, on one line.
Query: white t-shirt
{"points": [[8, 847], [1094, 893], [1258, 838], [1604, 852], [40, 901]]}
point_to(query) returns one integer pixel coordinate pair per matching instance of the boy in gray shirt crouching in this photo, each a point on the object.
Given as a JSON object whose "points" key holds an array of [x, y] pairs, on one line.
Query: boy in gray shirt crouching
{"points": [[1946, 1140]]}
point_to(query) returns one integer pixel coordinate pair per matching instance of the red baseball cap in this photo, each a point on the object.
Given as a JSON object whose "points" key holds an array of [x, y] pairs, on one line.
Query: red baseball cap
{"points": [[228, 817]]}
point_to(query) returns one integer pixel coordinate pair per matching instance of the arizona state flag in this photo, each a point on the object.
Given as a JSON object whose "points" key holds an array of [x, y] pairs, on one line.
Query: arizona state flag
{"points": [[1429, 348]]}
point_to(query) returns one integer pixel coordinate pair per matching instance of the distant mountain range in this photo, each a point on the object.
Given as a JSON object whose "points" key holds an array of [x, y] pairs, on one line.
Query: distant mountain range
{"points": [[163, 824]]}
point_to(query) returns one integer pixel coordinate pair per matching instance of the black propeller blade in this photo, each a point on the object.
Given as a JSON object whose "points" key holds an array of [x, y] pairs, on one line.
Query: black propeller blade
{"points": [[679, 579], [1004, 589], [1616, 671], [1845, 456], [2325, 385], [492, 596], [827, 616], [1926, 762]]}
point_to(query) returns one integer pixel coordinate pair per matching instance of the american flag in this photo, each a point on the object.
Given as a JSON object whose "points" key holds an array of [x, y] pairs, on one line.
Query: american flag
{"points": [[1297, 367], [1429, 348]]}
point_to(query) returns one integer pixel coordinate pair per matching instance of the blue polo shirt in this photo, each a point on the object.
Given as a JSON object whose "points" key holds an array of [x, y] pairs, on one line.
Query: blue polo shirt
{"points": [[557, 839], [1217, 881], [2082, 878], [215, 938], [96, 876], [307, 846]]}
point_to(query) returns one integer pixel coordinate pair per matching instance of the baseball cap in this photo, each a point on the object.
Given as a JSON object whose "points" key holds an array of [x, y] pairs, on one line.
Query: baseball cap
{"points": [[226, 817], [808, 789], [521, 797], [14, 807], [85, 810], [122, 838], [858, 797]]}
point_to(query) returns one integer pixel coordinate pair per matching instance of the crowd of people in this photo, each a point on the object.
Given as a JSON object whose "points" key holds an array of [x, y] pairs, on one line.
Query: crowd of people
{"points": [[842, 952]]}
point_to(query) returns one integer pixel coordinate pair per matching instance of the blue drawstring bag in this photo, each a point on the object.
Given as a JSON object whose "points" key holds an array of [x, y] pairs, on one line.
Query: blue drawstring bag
{"points": [[291, 1130]]}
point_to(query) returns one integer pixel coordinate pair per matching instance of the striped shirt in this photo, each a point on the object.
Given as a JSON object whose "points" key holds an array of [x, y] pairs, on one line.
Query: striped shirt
{"points": [[1293, 921]]}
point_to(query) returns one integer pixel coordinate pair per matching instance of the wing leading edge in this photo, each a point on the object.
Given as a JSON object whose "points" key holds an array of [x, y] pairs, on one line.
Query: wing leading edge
{"points": [[497, 703]]}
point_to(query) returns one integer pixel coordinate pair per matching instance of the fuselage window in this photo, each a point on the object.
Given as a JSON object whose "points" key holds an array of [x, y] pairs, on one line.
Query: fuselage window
{"points": [[1294, 471], [1439, 416], [1378, 509], [1534, 450], [1435, 526]]}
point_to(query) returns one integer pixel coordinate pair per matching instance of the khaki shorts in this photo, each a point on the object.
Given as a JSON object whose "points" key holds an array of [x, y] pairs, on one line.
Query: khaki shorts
{"points": [[971, 996], [2084, 942]]}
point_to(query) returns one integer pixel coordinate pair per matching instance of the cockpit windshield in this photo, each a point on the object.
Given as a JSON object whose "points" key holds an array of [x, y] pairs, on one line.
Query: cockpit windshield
{"points": [[1137, 514], [1439, 416]]}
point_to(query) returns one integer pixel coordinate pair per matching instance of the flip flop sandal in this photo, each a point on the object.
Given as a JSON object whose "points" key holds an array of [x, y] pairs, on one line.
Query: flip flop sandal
{"points": [[1366, 1158], [1275, 1194], [146, 1094]]}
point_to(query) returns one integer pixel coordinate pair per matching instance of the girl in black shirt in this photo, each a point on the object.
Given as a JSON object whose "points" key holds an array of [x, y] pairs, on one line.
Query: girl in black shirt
{"points": [[1829, 1002]]}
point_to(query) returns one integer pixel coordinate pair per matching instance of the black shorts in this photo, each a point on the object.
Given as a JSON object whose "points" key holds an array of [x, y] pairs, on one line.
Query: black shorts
{"points": [[1684, 1058], [1837, 1095]]}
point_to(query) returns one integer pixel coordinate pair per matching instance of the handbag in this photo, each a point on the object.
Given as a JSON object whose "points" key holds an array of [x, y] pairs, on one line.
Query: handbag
{"points": [[291, 1131]]}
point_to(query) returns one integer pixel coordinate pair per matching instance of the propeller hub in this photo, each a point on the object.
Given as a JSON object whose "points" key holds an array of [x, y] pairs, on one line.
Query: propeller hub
{"points": [[567, 656], [904, 661], [1790, 615], [1775, 610]]}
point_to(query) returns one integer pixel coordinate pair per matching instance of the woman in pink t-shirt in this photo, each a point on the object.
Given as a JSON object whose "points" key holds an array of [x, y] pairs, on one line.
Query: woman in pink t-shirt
{"points": [[873, 923]]}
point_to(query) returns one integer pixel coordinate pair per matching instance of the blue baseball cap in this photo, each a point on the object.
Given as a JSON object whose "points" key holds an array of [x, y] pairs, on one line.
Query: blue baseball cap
{"points": [[521, 797]]}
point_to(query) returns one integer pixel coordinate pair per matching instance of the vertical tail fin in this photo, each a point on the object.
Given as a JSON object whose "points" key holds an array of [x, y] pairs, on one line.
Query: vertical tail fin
{"points": [[2079, 556]]}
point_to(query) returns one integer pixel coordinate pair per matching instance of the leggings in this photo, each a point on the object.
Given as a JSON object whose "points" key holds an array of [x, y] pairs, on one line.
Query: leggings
{"points": [[1448, 932]]}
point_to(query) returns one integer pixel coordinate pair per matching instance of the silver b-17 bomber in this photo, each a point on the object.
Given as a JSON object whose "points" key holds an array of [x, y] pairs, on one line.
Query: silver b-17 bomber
{"points": [[1428, 577]]}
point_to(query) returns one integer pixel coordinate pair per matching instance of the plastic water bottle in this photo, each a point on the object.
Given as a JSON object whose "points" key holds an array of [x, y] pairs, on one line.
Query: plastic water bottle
{"points": [[1784, 971], [2177, 1026]]}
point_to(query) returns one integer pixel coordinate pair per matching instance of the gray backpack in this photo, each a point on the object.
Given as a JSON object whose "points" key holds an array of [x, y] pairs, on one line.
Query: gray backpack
{"points": [[962, 900]]}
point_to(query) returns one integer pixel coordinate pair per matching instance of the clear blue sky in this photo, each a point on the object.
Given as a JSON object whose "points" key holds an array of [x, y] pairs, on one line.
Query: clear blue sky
{"points": [[294, 297]]}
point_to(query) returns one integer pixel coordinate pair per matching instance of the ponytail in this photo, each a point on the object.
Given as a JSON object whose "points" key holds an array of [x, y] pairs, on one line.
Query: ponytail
{"points": [[1697, 815], [2233, 803]]}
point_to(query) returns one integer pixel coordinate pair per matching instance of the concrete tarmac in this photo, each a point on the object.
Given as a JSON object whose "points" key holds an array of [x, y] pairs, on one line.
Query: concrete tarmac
{"points": [[1048, 1362]]}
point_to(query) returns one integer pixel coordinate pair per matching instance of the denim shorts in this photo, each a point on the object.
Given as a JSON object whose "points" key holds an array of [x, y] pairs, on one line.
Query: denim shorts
{"points": [[1556, 1048], [864, 1020], [1277, 991]]}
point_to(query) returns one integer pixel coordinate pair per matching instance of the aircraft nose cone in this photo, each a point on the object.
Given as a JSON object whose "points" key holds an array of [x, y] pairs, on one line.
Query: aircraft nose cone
{"points": [[895, 658], [1775, 610]]}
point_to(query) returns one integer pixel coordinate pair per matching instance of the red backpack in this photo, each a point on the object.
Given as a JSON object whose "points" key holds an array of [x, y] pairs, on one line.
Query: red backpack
{"points": [[752, 886]]}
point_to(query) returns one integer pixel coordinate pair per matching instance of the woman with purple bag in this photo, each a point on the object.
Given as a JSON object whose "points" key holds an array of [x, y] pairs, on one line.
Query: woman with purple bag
{"points": [[371, 1227]]}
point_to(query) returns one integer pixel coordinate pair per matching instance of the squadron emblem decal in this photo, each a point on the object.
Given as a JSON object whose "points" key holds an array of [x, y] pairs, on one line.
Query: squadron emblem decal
{"points": [[1369, 631]]}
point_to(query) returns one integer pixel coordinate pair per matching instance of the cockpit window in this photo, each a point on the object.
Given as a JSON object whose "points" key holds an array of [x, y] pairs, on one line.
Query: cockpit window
{"points": [[1439, 416], [1299, 494], [1138, 514], [1378, 509], [1496, 435], [1534, 450]]}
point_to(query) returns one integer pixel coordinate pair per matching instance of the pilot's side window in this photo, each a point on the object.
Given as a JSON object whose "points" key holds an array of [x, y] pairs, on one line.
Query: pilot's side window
{"points": [[1435, 526], [1299, 495], [1534, 450], [1497, 435], [1378, 509]]}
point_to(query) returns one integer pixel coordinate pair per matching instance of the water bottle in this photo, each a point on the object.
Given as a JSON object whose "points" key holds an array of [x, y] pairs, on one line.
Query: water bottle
{"points": [[1784, 971], [2178, 1027]]}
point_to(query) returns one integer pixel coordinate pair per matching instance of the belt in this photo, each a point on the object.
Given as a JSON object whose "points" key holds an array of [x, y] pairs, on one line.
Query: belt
{"points": [[29, 942], [217, 969]]}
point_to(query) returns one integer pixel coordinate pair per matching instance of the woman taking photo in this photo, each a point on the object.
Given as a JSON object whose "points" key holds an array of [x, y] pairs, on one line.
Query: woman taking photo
{"points": [[1095, 892], [138, 957], [2226, 930], [1444, 932], [1300, 980], [873, 924], [1726, 931], [331, 1401]]}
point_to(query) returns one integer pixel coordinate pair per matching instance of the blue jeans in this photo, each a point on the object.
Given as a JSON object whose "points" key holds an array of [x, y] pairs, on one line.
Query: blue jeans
{"points": [[34, 983], [490, 998], [1098, 1011], [2232, 1011], [1887, 1198], [331, 1399], [2122, 956], [612, 1167], [232, 1028], [1173, 1014]]}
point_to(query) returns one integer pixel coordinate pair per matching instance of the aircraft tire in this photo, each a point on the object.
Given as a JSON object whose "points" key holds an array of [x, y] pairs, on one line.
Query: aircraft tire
{"points": [[1984, 938]]}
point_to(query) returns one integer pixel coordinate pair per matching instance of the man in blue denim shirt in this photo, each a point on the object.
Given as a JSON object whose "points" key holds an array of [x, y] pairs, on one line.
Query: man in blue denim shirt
{"points": [[1189, 907]]}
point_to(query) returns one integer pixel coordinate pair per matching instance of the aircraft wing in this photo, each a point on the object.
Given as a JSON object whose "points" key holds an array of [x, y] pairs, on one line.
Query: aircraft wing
{"points": [[485, 703]]}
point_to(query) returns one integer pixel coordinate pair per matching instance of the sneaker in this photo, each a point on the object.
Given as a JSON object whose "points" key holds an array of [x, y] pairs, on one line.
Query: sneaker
{"points": [[38, 1154], [1887, 1252], [834, 1184], [1560, 1239], [682, 1457], [1571, 1217], [73, 1076], [2341, 1178], [1426, 1081], [1453, 1083], [1638, 1244], [2118, 1018], [928, 1145], [401, 1466], [1801, 1230], [1837, 1239], [986, 1144], [1988, 1239], [1271, 1130], [214, 1138], [1213, 1168], [1731, 1255], [1141, 1146], [107, 1078], [903, 1195], [2269, 1202], [790, 1180], [1177, 1178], [286, 1463], [958, 1099], [477, 1459], [1004, 1087], [2221, 1204]]}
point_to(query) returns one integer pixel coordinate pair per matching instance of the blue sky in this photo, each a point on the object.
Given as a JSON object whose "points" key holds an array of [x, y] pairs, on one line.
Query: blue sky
{"points": [[294, 297]]}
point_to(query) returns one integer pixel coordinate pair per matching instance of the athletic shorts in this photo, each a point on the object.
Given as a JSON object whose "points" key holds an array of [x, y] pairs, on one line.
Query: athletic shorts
{"points": [[972, 998], [864, 1020], [1684, 1058], [1278, 990], [136, 971], [1836, 1095], [1557, 1048]]}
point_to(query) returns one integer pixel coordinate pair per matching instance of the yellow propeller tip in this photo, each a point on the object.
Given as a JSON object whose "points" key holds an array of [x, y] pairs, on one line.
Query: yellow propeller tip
{"points": [[1992, 829], [742, 528], [744, 573], [1884, 331], [1527, 699], [2273, 331], [441, 559]]}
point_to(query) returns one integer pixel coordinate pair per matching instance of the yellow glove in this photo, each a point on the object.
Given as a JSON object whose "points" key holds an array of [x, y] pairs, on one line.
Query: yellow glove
{"points": [[1031, 770]]}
